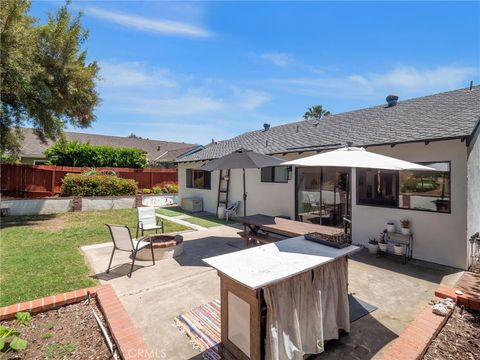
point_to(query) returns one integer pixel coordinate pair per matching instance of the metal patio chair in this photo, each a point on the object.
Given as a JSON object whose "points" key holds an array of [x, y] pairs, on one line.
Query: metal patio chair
{"points": [[122, 241], [232, 210], [147, 220]]}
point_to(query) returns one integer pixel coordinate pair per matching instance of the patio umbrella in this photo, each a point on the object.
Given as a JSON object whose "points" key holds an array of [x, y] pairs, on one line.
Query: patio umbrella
{"points": [[354, 157], [242, 159]]}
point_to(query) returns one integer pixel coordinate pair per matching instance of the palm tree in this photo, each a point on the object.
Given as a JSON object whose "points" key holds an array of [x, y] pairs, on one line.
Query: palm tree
{"points": [[315, 112]]}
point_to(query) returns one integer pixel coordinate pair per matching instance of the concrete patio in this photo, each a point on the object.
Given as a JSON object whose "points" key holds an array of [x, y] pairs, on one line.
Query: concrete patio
{"points": [[156, 294]]}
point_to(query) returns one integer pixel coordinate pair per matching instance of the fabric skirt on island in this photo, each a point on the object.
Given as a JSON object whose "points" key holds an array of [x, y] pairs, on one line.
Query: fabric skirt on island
{"points": [[306, 310]]}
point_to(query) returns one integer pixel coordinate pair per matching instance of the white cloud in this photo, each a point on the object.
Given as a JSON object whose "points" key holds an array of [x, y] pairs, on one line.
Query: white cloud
{"points": [[136, 74], [251, 99], [181, 106], [137, 88], [404, 81], [147, 24], [277, 58]]}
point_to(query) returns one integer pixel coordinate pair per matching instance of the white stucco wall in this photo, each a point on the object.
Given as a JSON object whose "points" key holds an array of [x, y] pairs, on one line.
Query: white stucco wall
{"points": [[473, 174], [438, 237], [37, 206], [259, 195]]}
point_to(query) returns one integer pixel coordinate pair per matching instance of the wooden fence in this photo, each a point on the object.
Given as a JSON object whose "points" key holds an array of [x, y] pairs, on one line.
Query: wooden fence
{"points": [[43, 180]]}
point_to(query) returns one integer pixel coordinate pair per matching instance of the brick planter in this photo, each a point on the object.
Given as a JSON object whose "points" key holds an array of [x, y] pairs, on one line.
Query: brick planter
{"points": [[128, 340], [414, 341]]}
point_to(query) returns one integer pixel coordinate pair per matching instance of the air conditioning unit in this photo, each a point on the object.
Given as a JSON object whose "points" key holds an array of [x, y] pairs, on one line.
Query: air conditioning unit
{"points": [[192, 204]]}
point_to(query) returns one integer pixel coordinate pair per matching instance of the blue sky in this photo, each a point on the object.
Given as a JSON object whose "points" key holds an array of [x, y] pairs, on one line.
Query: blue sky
{"points": [[193, 71]]}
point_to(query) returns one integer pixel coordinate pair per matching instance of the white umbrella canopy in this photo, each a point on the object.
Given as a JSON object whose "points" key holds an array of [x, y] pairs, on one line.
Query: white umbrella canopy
{"points": [[354, 157]]}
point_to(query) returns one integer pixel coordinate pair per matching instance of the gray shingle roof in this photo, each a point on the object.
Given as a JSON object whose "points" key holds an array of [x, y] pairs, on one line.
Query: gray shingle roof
{"points": [[446, 115], [168, 150]]}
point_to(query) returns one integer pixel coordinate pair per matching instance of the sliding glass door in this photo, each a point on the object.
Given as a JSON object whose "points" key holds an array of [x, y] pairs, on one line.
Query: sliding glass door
{"points": [[322, 195]]}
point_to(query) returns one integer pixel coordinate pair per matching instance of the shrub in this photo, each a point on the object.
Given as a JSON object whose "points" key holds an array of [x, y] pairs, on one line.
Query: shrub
{"points": [[147, 191], [74, 153], [97, 185], [171, 188], [157, 190]]}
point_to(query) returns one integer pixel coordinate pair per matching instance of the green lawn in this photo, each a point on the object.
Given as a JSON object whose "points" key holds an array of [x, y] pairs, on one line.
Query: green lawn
{"points": [[40, 255], [202, 219]]}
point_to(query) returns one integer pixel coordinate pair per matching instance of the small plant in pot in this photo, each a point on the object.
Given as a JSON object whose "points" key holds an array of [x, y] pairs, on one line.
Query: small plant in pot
{"points": [[398, 249], [405, 226], [372, 246], [390, 226], [382, 244]]}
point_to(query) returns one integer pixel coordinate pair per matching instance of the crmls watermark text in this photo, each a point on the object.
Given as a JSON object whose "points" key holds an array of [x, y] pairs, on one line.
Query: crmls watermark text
{"points": [[146, 354]]}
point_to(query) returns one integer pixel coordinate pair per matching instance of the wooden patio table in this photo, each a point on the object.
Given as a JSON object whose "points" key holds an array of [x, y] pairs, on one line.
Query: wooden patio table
{"points": [[281, 226]]}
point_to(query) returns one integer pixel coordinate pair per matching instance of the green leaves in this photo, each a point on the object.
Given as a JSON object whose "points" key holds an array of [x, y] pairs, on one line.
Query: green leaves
{"points": [[74, 153], [9, 337], [315, 112], [45, 78], [97, 185], [18, 344], [23, 317]]}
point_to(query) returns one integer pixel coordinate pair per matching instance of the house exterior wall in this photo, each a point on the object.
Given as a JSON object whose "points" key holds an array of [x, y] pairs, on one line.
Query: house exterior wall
{"points": [[473, 174], [438, 237]]}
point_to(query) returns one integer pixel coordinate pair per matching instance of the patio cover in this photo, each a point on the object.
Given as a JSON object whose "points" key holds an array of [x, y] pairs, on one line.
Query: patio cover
{"points": [[354, 157]]}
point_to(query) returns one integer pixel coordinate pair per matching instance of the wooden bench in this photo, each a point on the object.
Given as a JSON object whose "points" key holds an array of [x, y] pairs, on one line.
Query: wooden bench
{"points": [[258, 237]]}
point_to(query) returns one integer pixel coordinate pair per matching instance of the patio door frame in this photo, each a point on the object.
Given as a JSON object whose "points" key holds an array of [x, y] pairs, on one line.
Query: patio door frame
{"points": [[348, 198]]}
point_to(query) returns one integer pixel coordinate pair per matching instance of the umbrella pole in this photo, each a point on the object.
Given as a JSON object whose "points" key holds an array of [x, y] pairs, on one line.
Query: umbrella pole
{"points": [[244, 195]]}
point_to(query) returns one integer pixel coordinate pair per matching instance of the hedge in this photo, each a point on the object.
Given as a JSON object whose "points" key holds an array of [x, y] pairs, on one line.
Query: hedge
{"points": [[74, 153], [97, 185]]}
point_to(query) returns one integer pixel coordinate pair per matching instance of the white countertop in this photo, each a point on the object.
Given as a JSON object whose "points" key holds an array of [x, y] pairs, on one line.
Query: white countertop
{"points": [[267, 264]]}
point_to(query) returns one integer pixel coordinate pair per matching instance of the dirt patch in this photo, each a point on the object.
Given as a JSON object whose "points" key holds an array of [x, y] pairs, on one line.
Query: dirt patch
{"points": [[44, 222], [70, 332], [459, 338]]}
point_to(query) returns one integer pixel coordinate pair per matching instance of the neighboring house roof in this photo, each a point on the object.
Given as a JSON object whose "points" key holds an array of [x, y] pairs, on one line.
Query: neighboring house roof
{"points": [[452, 114], [157, 150]]}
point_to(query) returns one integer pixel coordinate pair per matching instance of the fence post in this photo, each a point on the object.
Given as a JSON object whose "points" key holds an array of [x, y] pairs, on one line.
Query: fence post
{"points": [[151, 179], [52, 191]]}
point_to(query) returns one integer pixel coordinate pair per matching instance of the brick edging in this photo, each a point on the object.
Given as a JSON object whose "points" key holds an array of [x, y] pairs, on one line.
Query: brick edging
{"points": [[130, 343], [414, 341], [46, 303], [466, 299], [128, 339]]}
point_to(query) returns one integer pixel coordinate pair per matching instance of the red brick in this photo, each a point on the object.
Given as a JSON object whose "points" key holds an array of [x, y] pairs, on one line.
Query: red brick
{"points": [[445, 292], [36, 305], [59, 300], [25, 306], [70, 297]]}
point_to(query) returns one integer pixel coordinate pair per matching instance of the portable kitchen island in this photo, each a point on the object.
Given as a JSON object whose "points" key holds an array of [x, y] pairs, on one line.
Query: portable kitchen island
{"points": [[266, 289]]}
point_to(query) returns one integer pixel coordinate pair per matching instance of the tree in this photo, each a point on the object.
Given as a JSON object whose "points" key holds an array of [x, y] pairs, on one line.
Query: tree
{"points": [[46, 81], [134, 136], [315, 112]]}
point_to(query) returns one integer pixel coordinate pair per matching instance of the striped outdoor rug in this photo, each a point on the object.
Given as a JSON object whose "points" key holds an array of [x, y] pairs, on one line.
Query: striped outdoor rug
{"points": [[202, 326]]}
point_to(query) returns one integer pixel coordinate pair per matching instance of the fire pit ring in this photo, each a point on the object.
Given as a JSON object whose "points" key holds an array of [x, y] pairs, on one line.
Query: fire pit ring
{"points": [[164, 247]]}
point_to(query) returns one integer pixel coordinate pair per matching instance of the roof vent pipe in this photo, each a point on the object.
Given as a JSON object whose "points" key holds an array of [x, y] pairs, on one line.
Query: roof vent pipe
{"points": [[266, 126], [392, 100]]}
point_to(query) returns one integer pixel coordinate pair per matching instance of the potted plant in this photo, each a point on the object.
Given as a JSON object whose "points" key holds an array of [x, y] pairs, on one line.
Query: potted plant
{"points": [[405, 226], [390, 226], [382, 244], [372, 246], [398, 249]]}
